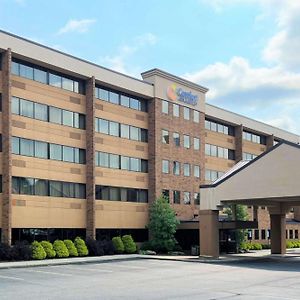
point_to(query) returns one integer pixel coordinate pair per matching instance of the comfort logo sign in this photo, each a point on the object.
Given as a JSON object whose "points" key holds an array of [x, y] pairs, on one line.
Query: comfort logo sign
{"points": [[175, 93]]}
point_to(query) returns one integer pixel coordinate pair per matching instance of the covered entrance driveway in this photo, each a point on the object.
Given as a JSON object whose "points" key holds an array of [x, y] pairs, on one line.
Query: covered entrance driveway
{"points": [[271, 180]]}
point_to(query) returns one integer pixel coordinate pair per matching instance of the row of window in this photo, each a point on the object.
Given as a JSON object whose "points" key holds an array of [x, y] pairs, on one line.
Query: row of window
{"points": [[165, 135], [121, 194], [264, 234], [218, 127], [254, 138], [121, 130], [115, 161], [187, 112], [21, 146], [43, 187], [47, 113], [176, 168], [120, 99], [216, 151], [248, 156], [212, 175], [186, 197], [45, 76]]}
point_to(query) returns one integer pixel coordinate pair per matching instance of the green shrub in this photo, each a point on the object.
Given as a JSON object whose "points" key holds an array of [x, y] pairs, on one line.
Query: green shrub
{"points": [[129, 244], [266, 246], [60, 249], [38, 251], [289, 244], [251, 246], [71, 248], [81, 247], [118, 244], [256, 246], [48, 247]]}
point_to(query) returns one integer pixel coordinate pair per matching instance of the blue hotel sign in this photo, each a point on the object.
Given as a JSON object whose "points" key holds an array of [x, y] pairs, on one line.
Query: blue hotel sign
{"points": [[175, 93]]}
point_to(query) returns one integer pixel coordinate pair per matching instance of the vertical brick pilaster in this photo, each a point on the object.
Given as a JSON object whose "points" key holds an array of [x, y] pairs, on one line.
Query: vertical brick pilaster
{"points": [[90, 159], [238, 143], [270, 141], [6, 148]]}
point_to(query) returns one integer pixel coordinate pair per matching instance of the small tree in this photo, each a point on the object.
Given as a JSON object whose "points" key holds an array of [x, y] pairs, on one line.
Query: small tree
{"points": [[241, 215], [162, 225]]}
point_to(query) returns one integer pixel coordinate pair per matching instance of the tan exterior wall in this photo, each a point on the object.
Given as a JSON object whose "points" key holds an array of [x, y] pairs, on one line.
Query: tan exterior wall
{"points": [[111, 214], [253, 148]]}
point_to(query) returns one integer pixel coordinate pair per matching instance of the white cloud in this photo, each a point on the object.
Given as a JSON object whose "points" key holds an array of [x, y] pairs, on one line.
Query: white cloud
{"points": [[80, 26], [120, 61], [270, 93]]}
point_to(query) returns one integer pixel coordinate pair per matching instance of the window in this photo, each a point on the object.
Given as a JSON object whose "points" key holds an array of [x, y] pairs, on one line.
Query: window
{"points": [[68, 154], [176, 168], [114, 128], [218, 127], [166, 194], [165, 107], [196, 144], [41, 187], [55, 115], [176, 197], [124, 101], [26, 71], [41, 149], [55, 152], [165, 166], [186, 113], [263, 234], [135, 104], [103, 159], [186, 141], [256, 234], [186, 197], [27, 186], [55, 80], [113, 97], [216, 151], [26, 147], [26, 108], [248, 156], [176, 139], [135, 164], [40, 76], [40, 112], [15, 145], [249, 234], [196, 116], [197, 198], [134, 133], [67, 118], [212, 175], [296, 234], [197, 171], [124, 131], [254, 138], [165, 136], [175, 110], [291, 234], [186, 169], [125, 163], [103, 126], [15, 109], [102, 94], [67, 84]]}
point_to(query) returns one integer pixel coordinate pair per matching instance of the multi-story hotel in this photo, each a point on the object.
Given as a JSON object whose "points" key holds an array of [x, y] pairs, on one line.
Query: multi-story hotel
{"points": [[86, 149]]}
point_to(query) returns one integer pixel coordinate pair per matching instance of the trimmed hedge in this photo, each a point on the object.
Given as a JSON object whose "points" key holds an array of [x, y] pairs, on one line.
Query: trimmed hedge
{"points": [[129, 244], [71, 248], [60, 249], [38, 251], [251, 246], [118, 244], [81, 247], [48, 247], [293, 244]]}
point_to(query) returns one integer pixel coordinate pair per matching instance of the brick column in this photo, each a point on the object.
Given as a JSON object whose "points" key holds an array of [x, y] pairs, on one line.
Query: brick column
{"points": [[270, 141], [6, 148], [238, 143], [90, 159], [278, 240], [209, 233]]}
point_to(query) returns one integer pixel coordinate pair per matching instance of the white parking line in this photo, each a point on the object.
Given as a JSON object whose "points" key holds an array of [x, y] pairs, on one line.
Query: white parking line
{"points": [[48, 272], [12, 278], [85, 269], [130, 267]]}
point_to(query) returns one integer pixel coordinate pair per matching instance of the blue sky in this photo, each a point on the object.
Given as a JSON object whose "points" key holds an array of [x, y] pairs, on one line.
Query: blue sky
{"points": [[245, 51]]}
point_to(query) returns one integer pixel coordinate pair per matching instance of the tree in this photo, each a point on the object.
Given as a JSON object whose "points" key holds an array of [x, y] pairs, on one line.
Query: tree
{"points": [[162, 225], [240, 215]]}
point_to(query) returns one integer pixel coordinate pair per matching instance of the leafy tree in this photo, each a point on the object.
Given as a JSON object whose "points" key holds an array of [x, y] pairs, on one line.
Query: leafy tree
{"points": [[162, 225], [240, 215]]}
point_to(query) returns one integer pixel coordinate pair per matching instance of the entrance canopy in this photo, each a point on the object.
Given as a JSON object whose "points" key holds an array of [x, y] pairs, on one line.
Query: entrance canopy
{"points": [[270, 179]]}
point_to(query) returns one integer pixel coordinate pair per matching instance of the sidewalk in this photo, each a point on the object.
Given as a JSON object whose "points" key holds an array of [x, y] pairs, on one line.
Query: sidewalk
{"points": [[241, 257]]}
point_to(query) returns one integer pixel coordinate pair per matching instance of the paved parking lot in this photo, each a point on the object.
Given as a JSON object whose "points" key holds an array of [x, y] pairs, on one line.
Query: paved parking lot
{"points": [[155, 279]]}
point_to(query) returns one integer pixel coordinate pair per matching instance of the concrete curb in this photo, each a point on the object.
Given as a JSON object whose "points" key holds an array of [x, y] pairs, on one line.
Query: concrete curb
{"points": [[68, 261]]}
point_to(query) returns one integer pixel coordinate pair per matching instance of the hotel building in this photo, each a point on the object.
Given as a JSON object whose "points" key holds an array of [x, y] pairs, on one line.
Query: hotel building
{"points": [[85, 149]]}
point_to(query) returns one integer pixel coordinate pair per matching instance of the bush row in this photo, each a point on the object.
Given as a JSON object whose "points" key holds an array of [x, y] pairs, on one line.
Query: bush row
{"points": [[67, 248], [293, 244], [258, 246]]}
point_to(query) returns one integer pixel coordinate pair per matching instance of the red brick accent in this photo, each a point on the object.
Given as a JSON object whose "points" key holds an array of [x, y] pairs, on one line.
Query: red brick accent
{"points": [[6, 148], [238, 143], [90, 158]]}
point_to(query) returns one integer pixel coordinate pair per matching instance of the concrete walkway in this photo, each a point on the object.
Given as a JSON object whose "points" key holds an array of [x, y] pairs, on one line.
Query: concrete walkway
{"points": [[241, 257]]}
